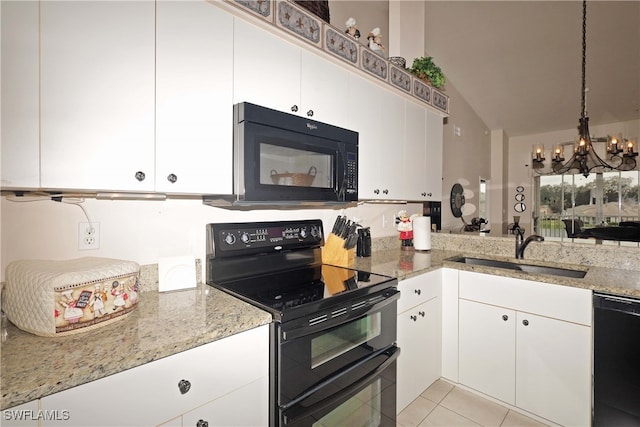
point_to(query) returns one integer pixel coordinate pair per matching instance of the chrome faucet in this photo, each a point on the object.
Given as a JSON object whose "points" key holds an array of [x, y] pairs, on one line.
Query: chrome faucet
{"points": [[522, 245]]}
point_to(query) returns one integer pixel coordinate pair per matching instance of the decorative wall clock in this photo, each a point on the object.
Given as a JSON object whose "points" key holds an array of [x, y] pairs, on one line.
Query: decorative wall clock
{"points": [[457, 200]]}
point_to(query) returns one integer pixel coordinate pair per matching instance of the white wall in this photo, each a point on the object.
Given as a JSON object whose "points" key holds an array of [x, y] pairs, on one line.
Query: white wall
{"points": [[466, 158], [142, 231]]}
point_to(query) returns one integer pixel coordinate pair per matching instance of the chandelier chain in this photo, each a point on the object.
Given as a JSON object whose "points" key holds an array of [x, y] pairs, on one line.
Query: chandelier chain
{"points": [[584, 57]]}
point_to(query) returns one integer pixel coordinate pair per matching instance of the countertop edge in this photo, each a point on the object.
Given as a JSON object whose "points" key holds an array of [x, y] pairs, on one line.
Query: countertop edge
{"points": [[160, 329]]}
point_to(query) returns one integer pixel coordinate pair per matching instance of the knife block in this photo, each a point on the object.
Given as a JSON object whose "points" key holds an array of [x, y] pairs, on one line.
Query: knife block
{"points": [[334, 252]]}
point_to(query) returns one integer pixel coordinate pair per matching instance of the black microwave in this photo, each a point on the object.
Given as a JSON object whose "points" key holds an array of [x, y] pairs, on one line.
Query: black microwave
{"points": [[280, 159]]}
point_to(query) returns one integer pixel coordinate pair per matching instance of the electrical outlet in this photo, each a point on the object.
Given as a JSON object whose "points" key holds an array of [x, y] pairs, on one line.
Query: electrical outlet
{"points": [[88, 235]]}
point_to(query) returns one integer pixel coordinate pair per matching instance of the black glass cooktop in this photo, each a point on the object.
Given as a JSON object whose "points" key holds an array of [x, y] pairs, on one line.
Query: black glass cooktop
{"points": [[294, 293]]}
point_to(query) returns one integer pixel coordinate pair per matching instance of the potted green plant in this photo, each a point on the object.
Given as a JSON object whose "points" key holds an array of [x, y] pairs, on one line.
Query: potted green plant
{"points": [[425, 69]]}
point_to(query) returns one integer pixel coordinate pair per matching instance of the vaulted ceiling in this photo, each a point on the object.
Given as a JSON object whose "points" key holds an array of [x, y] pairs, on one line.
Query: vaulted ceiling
{"points": [[518, 63]]}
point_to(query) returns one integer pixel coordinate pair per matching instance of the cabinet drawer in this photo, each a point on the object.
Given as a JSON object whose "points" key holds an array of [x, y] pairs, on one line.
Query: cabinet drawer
{"points": [[149, 394], [231, 409], [418, 289], [557, 301]]}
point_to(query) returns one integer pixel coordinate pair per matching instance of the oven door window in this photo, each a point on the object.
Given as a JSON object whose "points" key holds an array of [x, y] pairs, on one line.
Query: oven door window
{"points": [[306, 360], [363, 406], [331, 344], [366, 401], [295, 167]]}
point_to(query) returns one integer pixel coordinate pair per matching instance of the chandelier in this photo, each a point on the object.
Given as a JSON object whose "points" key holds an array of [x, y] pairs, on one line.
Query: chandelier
{"points": [[620, 151]]}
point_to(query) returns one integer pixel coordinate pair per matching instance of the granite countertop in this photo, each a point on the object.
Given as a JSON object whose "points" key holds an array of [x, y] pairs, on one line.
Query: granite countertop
{"points": [[168, 323], [163, 324], [404, 264]]}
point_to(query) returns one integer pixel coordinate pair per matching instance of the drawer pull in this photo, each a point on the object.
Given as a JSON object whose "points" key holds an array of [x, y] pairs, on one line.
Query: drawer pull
{"points": [[140, 176], [421, 313], [414, 318], [505, 317], [525, 322], [172, 178], [417, 291], [202, 423], [184, 386]]}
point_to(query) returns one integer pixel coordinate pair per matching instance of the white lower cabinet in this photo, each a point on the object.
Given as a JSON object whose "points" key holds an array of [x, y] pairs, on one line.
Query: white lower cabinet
{"points": [[527, 344], [553, 369], [231, 370], [419, 336], [234, 409], [487, 349]]}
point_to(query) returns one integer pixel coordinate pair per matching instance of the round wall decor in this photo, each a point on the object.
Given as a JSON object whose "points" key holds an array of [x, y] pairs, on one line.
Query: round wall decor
{"points": [[457, 200], [519, 206]]}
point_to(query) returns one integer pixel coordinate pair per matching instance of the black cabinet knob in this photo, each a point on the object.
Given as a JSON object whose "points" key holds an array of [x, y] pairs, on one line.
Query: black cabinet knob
{"points": [[414, 318], [385, 191], [505, 317], [422, 313], [202, 423], [376, 191], [429, 194], [310, 113], [294, 108], [140, 176], [525, 322], [417, 291], [423, 194], [172, 178], [184, 386]]}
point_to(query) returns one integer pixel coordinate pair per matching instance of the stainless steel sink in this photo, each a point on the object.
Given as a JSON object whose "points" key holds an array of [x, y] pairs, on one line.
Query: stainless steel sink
{"points": [[527, 268]]}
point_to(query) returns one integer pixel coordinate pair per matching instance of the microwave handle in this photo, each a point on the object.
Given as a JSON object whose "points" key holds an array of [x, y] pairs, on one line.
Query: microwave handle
{"points": [[343, 181], [392, 352]]}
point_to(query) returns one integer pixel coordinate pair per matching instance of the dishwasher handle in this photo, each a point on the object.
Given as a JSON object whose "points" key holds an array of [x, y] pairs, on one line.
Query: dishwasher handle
{"points": [[616, 303]]}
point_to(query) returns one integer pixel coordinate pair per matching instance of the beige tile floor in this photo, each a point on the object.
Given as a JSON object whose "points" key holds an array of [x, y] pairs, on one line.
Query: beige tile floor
{"points": [[446, 405]]}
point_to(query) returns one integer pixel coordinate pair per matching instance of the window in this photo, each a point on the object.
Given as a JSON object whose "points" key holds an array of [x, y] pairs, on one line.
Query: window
{"points": [[601, 199]]}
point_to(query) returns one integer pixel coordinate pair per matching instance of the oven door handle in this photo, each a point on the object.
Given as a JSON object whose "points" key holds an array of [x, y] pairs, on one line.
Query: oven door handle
{"points": [[392, 352], [391, 295]]}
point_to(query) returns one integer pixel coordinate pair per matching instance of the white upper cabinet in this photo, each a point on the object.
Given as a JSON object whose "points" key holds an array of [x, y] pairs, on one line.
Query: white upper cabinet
{"points": [[194, 114], [415, 153], [378, 116], [274, 73], [266, 69], [433, 165], [20, 139], [423, 153], [324, 91], [97, 95]]}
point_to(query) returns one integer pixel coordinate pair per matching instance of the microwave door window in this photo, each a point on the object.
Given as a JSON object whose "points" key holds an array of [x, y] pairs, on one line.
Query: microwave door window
{"points": [[295, 167]]}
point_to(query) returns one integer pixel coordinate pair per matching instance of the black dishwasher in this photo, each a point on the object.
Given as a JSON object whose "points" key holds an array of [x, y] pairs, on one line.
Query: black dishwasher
{"points": [[616, 361]]}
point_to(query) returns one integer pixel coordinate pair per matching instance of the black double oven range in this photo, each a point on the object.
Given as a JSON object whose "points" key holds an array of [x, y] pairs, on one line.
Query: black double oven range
{"points": [[332, 350]]}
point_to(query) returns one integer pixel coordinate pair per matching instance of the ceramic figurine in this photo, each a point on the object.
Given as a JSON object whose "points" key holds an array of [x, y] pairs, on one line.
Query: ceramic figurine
{"points": [[404, 224], [351, 29], [375, 40]]}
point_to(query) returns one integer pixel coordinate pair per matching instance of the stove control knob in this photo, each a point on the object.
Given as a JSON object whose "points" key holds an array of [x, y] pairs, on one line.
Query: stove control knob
{"points": [[245, 238], [314, 232], [303, 233], [230, 239]]}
